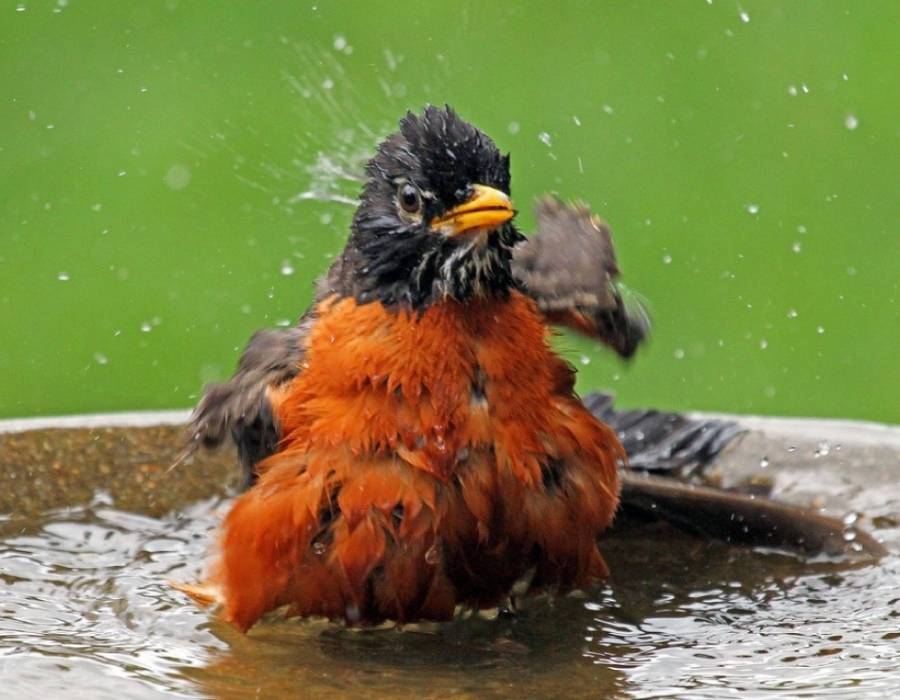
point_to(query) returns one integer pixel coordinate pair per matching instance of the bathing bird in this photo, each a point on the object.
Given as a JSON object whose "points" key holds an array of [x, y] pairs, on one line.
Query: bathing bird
{"points": [[414, 445]]}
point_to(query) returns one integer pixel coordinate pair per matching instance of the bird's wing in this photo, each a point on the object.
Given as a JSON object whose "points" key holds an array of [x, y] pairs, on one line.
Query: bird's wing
{"points": [[240, 407], [569, 268]]}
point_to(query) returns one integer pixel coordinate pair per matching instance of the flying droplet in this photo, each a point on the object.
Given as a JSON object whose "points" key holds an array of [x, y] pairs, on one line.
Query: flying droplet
{"points": [[851, 122], [752, 209], [796, 246], [764, 462], [745, 17], [513, 128], [763, 344], [667, 259], [63, 277], [146, 327], [678, 354], [340, 43], [100, 358], [820, 329], [545, 139], [792, 313], [287, 269], [178, 177]]}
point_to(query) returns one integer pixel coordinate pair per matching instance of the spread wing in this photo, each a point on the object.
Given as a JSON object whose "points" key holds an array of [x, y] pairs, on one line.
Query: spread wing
{"points": [[240, 408], [569, 268]]}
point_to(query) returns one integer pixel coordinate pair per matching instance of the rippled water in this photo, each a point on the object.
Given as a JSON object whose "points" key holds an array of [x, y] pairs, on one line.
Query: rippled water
{"points": [[86, 608]]}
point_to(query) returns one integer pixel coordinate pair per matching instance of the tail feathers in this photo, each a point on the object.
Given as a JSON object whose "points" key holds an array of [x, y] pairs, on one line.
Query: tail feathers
{"points": [[664, 442]]}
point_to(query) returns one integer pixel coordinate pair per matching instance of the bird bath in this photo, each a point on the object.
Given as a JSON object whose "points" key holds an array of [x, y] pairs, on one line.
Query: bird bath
{"points": [[94, 525]]}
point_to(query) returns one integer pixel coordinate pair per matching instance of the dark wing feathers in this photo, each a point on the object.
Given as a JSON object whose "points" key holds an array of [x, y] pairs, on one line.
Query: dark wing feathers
{"points": [[569, 268], [240, 407], [664, 443]]}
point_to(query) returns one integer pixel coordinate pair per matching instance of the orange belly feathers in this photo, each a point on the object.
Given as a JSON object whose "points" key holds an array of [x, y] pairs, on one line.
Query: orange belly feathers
{"points": [[426, 462]]}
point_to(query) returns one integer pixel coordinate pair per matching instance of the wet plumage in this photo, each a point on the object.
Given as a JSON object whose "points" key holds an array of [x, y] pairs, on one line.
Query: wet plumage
{"points": [[414, 444]]}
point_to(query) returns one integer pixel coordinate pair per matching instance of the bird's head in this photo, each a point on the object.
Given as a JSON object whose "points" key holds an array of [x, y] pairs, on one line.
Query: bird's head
{"points": [[435, 218]]}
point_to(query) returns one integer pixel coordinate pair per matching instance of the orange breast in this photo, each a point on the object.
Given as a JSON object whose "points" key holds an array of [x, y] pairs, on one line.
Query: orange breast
{"points": [[427, 461]]}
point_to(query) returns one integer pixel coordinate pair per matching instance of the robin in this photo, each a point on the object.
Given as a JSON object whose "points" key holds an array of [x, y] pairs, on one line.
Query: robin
{"points": [[414, 444]]}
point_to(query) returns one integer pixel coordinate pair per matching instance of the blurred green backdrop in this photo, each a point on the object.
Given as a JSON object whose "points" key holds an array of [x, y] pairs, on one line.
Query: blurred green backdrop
{"points": [[169, 181]]}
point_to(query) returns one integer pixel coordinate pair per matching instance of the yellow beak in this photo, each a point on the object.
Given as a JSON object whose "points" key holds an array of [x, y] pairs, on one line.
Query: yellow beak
{"points": [[486, 209]]}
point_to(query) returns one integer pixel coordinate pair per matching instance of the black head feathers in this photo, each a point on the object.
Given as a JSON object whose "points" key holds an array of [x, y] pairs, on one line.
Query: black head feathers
{"points": [[402, 249]]}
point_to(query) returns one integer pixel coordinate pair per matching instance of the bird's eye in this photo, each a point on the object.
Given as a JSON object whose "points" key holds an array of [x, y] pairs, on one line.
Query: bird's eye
{"points": [[409, 198]]}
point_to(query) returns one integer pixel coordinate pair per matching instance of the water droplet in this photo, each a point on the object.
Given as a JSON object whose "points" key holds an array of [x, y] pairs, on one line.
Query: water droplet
{"points": [[752, 209], [823, 449], [850, 518], [178, 177], [20, 8], [792, 90], [801, 229], [608, 109], [851, 122], [764, 462], [96, 207], [678, 354], [796, 247], [791, 448], [820, 329], [340, 43], [122, 173], [352, 613], [667, 259], [63, 277], [318, 548], [745, 17], [327, 84], [100, 358], [849, 536], [763, 344], [584, 359], [544, 138], [286, 268], [576, 120], [146, 327], [513, 128], [432, 555], [283, 322], [792, 313]]}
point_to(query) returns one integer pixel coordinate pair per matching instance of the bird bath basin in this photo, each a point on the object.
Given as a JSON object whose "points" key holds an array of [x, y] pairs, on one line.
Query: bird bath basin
{"points": [[93, 525]]}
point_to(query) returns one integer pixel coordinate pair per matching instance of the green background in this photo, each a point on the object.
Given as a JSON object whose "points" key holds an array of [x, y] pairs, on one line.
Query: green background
{"points": [[154, 158]]}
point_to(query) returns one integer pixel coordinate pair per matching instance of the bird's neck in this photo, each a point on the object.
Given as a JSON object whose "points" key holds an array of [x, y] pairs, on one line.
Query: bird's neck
{"points": [[418, 270]]}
